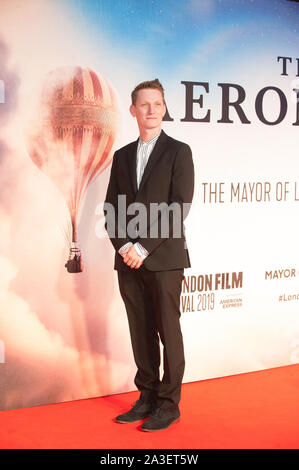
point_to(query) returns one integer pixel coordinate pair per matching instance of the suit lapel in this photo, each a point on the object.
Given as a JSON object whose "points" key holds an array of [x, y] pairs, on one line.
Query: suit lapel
{"points": [[132, 156], [153, 158]]}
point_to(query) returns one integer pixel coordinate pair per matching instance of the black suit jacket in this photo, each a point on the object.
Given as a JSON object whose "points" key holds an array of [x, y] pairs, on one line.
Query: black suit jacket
{"points": [[168, 178]]}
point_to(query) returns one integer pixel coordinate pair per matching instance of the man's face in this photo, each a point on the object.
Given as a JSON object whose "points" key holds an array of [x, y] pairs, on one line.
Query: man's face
{"points": [[149, 108]]}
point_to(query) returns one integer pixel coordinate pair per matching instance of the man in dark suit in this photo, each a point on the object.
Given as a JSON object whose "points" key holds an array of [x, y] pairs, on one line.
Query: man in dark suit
{"points": [[153, 177]]}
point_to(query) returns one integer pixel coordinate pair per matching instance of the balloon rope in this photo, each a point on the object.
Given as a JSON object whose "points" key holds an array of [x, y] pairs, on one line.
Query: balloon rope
{"points": [[74, 231]]}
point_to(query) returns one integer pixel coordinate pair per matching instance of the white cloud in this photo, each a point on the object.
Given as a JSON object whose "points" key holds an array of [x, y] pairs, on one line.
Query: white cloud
{"points": [[40, 367]]}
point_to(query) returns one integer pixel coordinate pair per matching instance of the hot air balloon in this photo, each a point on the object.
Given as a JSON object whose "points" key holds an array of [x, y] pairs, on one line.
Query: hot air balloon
{"points": [[74, 138]]}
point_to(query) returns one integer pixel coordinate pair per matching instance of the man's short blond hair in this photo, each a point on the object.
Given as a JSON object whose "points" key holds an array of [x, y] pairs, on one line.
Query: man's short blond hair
{"points": [[154, 84]]}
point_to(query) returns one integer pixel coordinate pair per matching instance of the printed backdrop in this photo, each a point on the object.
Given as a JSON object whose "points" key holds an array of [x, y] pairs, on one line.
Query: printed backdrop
{"points": [[230, 70]]}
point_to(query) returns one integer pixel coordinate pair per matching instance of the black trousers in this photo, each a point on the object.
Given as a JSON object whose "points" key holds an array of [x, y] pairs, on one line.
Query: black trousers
{"points": [[152, 301]]}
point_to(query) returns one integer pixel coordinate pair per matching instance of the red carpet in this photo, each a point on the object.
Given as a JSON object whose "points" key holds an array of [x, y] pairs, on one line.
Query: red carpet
{"points": [[258, 410]]}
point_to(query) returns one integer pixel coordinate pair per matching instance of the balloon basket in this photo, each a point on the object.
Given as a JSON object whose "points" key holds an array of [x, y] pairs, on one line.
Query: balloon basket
{"points": [[74, 263]]}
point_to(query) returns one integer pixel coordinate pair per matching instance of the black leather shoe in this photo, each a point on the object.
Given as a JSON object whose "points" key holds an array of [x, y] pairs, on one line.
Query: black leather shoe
{"points": [[139, 411], [161, 419]]}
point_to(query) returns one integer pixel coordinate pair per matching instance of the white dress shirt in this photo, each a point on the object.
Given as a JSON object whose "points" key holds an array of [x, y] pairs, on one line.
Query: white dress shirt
{"points": [[144, 149]]}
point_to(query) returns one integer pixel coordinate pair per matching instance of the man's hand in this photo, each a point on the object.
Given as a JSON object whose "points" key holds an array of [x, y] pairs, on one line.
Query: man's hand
{"points": [[131, 257]]}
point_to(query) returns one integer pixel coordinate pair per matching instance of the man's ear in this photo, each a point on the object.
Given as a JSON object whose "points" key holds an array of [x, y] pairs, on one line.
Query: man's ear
{"points": [[132, 110]]}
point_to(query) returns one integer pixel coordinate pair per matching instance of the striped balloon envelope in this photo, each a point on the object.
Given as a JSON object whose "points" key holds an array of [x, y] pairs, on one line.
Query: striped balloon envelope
{"points": [[72, 141]]}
